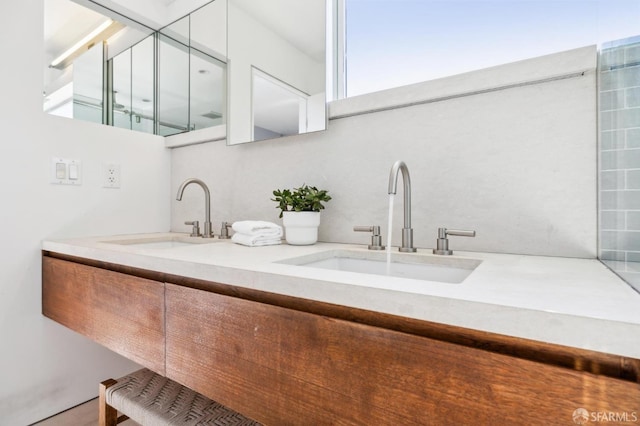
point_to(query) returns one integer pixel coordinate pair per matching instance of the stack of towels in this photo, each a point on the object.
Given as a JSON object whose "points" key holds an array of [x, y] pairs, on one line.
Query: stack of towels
{"points": [[254, 233]]}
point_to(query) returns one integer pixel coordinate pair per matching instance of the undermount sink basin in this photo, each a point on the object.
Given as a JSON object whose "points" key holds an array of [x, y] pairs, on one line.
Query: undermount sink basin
{"points": [[403, 265], [163, 241], [161, 244]]}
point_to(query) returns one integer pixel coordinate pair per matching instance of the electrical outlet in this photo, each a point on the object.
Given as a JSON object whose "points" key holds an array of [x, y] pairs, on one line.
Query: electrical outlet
{"points": [[110, 175]]}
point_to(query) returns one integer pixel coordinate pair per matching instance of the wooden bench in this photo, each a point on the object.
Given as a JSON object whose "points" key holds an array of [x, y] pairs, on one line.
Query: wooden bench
{"points": [[153, 400]]}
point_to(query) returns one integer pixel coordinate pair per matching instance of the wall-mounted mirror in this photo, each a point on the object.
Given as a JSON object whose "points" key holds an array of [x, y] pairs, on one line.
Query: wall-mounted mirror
{"points": [[177, 79], [277, 66], [75, 55], [192, 71], [104, 67]]}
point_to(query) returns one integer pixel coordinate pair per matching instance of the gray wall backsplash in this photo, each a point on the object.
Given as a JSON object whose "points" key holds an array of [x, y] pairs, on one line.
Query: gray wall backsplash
{"points": [[518, 165]]}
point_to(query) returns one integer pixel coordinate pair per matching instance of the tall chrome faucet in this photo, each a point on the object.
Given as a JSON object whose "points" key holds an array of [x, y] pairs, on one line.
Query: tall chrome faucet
{"points": [[407, 231], [207, 203]]}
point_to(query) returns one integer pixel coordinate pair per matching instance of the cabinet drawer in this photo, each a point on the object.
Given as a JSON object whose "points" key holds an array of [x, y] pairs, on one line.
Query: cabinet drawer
{"points": [[282, 366], [122, 312]]}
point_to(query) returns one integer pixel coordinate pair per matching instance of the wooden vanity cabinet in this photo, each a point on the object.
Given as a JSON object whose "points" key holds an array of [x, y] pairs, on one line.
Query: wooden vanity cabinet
{"points": [[122, 312], [290, 361], [286, 367]]}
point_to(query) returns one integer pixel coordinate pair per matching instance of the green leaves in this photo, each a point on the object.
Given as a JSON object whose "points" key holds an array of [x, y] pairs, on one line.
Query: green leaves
{"points": [[303, 199]]}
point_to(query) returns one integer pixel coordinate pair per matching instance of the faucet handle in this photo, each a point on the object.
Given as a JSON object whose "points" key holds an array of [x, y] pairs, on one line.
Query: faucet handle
{"points": [[195, 230], [376, 239], [442, 243], [224, 230], [455, 232]]}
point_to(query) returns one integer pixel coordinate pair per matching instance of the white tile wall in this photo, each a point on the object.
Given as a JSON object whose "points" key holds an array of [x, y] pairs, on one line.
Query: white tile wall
{"points": [[620, 158]]}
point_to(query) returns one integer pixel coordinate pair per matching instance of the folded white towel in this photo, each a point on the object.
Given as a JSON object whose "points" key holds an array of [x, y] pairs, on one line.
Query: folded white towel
{"points": [[257, 227], [255, 240]]}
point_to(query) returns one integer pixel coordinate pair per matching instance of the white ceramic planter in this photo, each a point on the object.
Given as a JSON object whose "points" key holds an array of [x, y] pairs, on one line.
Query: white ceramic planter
{"points": [[301, 228]]}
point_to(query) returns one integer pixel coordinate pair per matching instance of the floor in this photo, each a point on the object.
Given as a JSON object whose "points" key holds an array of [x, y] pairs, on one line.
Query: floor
{"points": [[83, 415]]}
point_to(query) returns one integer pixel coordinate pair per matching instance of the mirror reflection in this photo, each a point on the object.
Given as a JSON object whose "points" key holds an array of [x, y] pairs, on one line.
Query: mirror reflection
{"points": [[277, 107], [121, 73], [277, 57], [118, 72], [87, 90], [131, 93], [78, 41], [192, 73]]}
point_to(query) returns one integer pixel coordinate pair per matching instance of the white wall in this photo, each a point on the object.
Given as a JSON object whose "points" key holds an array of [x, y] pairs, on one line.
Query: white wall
{"points": [[517, 164], [44, 367]]}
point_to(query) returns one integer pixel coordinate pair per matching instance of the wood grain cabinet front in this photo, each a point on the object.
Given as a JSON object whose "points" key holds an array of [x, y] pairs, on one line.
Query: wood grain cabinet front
{"points": [[290, 361], [122, 312], [286, 367]]}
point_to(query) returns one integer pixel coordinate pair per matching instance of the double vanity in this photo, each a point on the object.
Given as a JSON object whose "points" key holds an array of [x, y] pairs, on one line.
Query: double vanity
{"points": [[322, 335]]}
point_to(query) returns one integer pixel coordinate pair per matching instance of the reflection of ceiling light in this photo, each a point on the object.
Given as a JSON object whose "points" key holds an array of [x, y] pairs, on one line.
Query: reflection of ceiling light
{"points": [[81, 43]]}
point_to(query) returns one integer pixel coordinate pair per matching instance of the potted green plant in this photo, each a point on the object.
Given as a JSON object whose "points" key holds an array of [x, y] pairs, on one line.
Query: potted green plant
{"points": [[300, 212]]}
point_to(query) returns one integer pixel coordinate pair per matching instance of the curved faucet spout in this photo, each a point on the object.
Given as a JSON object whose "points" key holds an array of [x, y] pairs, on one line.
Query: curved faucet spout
{"points": [[207, 202], [397, 168], [407, 232]]}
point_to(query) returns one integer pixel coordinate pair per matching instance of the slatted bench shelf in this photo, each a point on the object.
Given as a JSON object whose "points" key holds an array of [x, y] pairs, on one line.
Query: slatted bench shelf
{"points": [[153, 400]]}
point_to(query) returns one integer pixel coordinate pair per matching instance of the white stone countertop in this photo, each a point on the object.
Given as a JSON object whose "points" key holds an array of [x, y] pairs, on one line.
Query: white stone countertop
{"points": [[572, 302]]}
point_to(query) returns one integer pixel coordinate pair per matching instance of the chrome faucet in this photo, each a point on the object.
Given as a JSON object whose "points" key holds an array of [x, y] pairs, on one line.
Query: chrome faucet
{"points": [[207, 203], [407, 231]]}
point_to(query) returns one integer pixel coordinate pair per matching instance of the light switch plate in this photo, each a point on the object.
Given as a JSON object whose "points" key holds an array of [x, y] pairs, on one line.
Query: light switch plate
{"points": [[65, 171]]}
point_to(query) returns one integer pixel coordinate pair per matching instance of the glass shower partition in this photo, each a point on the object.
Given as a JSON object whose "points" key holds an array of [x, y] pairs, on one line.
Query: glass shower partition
{"points": [[619, 180]]}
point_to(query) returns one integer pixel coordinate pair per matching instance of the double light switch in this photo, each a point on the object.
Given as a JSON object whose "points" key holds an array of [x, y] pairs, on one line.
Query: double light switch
{"points": [[65, 171]]}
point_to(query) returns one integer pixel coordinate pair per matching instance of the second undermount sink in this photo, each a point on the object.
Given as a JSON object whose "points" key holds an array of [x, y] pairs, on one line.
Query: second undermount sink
{"points": [[403, 265], [164, 241]]}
